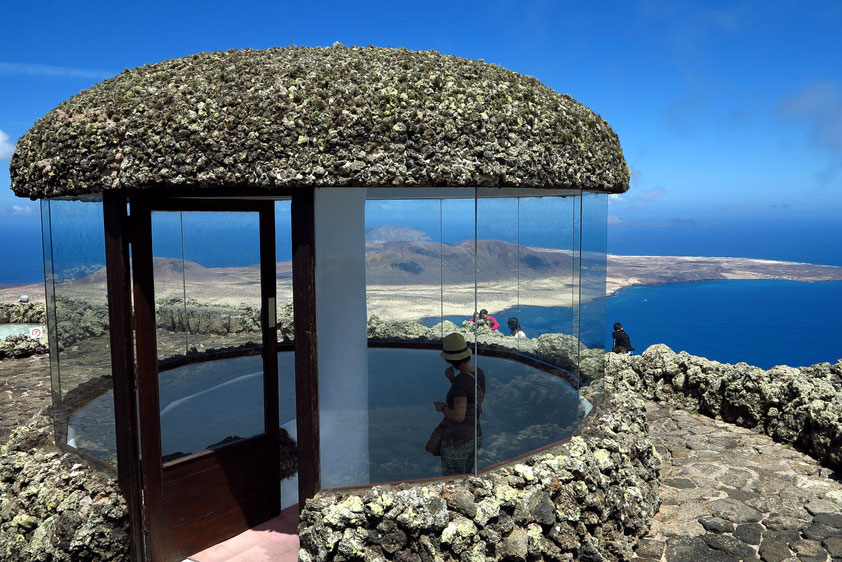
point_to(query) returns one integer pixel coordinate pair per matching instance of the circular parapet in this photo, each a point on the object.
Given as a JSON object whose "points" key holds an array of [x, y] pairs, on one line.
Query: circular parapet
{"points": [[254, 121]]}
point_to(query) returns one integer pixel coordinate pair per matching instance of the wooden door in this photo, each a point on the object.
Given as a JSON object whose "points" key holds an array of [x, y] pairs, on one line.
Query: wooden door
{"points": [[208, 416]]}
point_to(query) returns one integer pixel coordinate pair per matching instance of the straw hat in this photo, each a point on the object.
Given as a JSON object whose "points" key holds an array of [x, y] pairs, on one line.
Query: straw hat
{"points": [[454, 347]]}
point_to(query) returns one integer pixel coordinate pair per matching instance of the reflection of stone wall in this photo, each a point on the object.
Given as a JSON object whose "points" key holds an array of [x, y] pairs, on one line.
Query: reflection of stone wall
{"points": [[53, 507], [590, 498], [800, 406], [79, 319], [22, 313], [561, 350], [21, 346]]}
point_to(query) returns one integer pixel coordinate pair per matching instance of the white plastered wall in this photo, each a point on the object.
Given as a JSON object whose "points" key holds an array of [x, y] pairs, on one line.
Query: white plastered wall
{"points": [[342, 335]]}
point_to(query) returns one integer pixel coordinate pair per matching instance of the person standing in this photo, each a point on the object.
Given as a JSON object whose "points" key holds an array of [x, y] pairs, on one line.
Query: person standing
{"points": [[462, 435], [622, 343]]}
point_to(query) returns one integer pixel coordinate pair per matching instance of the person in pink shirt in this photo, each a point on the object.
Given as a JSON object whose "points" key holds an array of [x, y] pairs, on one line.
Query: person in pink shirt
{"points": [[490, 321]]}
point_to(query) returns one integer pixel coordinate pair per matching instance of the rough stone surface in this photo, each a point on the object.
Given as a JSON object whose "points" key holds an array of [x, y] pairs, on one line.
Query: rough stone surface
{"points": [[24, 391], [22, 313], [53, 507], [768, 519], [336, 116], [798, 406], [568, 503]]}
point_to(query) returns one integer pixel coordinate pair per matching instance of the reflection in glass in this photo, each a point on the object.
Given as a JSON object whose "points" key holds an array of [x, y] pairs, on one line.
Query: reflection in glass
{"points": [[77, 321], [593, 288], [209, 404], [403, 267], [207, 299]]}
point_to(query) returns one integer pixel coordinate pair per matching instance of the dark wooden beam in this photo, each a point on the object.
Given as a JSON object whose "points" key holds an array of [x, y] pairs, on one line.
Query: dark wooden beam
{"points": [[269, 324], [122, 364], [147, 379], [306, 355]]}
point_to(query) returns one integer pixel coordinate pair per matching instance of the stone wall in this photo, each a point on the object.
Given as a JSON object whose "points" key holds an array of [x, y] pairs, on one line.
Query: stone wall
{"points": [[588, 499], [799, 406], [22, 313], [54, 507]]}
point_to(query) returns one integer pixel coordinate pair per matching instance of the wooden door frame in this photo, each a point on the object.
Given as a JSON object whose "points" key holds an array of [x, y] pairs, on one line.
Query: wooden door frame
{"points": [[152, 471]]}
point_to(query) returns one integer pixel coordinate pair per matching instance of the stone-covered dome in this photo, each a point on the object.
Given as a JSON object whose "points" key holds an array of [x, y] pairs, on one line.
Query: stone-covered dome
{"points": [[336, 116]]}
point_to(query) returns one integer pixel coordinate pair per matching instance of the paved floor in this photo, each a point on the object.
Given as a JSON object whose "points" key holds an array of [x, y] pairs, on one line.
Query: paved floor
{"points": [[731, 494], [276, 541]]}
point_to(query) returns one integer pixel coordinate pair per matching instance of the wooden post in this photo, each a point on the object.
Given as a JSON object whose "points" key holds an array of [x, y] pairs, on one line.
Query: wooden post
{"points": [[269, 325], [147, 378], [306, 356], [122, 364]]}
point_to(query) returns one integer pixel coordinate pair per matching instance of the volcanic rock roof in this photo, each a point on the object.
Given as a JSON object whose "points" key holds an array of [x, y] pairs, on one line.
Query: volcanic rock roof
{"points": [[335, 116]]}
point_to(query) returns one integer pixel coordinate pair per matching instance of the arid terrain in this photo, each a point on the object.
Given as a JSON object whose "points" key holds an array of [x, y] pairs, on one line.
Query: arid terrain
{"points": [[408, 280]]}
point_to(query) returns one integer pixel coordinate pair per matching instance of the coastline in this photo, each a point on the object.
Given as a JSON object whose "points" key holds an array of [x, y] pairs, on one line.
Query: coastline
{"points": [[404, 302]]}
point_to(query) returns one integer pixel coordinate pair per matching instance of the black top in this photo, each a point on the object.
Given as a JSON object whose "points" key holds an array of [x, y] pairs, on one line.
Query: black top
{"points": [[463, 385], [621, 339]]}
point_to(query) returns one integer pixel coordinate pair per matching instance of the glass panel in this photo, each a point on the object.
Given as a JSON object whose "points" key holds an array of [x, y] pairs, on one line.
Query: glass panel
{"points": [[168, 267], [460, 271], [209, 404], [283, 249], [286, 359], [222, 280], [208, 300], [403, 269], [531, 399], [593, 294], [78, 325]]}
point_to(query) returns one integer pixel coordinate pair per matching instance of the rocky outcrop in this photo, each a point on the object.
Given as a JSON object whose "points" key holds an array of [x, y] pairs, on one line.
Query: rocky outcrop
{"points": [[799, 406], [52, 507], [590, 498], [22, 313], [21, 346]]}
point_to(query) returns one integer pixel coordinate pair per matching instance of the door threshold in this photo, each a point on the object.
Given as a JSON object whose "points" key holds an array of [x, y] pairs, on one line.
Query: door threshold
{"points": [[275, 540]]}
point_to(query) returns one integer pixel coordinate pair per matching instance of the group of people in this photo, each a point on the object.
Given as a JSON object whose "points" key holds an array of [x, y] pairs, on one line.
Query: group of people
{"points": [[514, 325], [461, 435]]}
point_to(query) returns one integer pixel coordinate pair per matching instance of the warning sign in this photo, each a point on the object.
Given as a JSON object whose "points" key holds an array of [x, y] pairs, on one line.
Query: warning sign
{"points": [[36, 333]]}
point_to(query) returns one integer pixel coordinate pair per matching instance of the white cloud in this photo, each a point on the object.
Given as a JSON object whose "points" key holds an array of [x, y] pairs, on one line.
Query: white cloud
{"points": [[7, 147], [19, 210], [54, 71]]}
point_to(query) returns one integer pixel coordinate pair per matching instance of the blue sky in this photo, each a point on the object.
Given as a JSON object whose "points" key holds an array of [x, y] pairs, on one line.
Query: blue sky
{"points": [[726, 110]]}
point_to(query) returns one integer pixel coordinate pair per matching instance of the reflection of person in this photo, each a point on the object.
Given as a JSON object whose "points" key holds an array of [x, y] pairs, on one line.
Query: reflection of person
{"points": [[490, 321], [461, 407], [622, 344], [514, 327]]}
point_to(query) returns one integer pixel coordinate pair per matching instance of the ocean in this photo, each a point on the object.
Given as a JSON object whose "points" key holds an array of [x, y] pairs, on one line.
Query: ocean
{"points": [[763, 323]]}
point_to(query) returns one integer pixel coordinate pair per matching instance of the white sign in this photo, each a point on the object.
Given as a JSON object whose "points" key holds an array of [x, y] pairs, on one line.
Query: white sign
{"points": [[36, 333]]}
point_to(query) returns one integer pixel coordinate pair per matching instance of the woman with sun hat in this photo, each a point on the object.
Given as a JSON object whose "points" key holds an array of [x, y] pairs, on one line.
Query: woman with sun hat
{"points": [[462, 431]]}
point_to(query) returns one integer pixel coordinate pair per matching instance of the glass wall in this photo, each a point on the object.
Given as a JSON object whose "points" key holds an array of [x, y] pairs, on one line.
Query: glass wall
{"points": [[77, 323], [591, 319], [520, 276]]}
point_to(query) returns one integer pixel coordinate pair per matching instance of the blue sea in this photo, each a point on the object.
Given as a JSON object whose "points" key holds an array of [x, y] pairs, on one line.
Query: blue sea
{"points": [[763, 323]]}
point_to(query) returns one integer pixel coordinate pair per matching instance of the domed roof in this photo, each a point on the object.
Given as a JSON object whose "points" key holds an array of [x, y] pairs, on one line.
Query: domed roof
{"points": [[336, 116]]}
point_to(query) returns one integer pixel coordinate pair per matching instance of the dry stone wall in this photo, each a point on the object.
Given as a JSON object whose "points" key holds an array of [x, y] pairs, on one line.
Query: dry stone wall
{"points": [[588, 499], [54, 507], [799, 406]]}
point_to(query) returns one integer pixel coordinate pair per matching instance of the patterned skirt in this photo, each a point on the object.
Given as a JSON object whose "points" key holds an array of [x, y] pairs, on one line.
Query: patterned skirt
{"points": [[458, 458]]}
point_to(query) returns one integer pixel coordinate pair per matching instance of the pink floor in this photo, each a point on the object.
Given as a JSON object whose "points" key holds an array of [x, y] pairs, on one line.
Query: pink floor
{"points": [[275, 540]]}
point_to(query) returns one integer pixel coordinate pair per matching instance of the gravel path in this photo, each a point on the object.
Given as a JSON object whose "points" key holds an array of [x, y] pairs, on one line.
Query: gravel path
{"points": [[731, 494]]}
